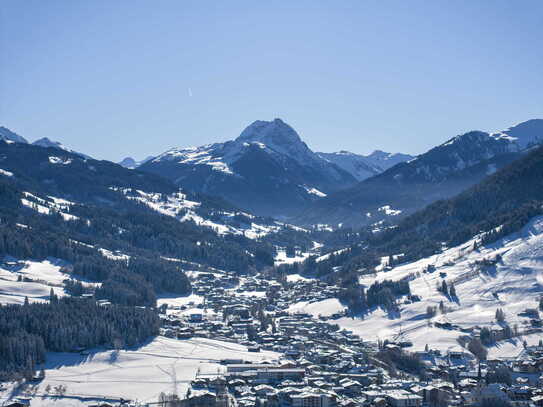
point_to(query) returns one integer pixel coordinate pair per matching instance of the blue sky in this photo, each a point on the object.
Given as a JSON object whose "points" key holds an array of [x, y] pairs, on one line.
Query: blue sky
{"points": [[128, 77]]}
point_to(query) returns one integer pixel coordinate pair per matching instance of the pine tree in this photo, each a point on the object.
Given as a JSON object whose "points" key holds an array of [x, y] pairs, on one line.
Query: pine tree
{"points": [[444, 288], [452, 291]]}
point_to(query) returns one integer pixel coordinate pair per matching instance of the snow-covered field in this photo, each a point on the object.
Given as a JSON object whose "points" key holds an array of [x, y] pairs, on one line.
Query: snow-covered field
{"points": [[44, 275], [282, 258], [513, 284], [176, 301], [161, 365], [324, 307]]}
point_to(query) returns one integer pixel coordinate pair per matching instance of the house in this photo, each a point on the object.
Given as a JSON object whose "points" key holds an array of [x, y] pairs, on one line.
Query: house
{"points": [[402, 398], [311, 399], [196, 318]]}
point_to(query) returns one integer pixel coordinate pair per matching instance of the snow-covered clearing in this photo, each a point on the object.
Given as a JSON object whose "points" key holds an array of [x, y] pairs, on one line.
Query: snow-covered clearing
{"points": [[116, 255], [40, 278], [176, 301], [292, 278], [161, 365], [325, 307], [282, 258], [49, 205], [513, 284]]}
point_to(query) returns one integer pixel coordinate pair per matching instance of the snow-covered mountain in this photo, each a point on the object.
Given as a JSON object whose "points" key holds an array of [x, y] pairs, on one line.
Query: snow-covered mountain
{"points": [[268, 170], [365, 166], [130, 163], [487, 242], [383, 160], [439, 173], [47, 143], [9, 136]]}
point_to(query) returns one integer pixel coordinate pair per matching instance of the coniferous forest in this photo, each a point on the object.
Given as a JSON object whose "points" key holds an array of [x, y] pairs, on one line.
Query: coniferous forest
{"points": [[66, 325]]}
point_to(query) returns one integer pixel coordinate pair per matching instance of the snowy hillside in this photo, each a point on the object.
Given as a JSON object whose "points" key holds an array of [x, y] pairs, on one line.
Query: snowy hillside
{"points": [[506, 275], [224, 222], [45, 142], [10, 137], [161, 365], [33, 279], [442, 172], [365, 166]]}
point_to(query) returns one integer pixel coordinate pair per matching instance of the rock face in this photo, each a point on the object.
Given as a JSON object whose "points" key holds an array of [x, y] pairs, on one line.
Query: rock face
{"points": [[268, 170]]}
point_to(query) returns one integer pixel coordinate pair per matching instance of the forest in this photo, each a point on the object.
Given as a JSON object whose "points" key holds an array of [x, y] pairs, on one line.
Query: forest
{"points": [[67, 324]]}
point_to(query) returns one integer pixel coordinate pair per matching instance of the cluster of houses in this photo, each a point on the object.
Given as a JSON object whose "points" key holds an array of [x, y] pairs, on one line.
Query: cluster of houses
{"points": [[323, 365]]}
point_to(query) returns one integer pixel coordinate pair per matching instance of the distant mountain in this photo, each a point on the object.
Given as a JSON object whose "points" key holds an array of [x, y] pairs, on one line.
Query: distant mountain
{"points": [[7, 135], [364, 166], [47, 143], [501, 204], [268, 170], [442, 172], [383, 160], [132, 231], [130, 163]]}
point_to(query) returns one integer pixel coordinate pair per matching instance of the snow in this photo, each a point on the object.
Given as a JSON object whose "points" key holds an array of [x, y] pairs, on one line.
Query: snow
{"points": [[513, 284], [204, 155], [45, 142], [387, 210], [6, 173], [259, 294], [177, 205], [356, 165], [117, 255], [59, 160], [325, 307], [327, 255], [282, 258], [176, 301], [314, 191], [292, 278], [160, 365], [46, 274], [49, 206]]}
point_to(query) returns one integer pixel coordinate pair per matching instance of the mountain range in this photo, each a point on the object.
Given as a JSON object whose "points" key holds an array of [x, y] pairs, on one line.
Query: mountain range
{"points": [[267, 170], [441, 172]]}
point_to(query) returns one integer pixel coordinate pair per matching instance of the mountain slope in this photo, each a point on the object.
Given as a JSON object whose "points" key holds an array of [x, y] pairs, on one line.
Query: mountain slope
{"points": [[130, 229], [45, 142], [501, 204], [9, 136], [365, 166], [268, 170], [442, 172]]}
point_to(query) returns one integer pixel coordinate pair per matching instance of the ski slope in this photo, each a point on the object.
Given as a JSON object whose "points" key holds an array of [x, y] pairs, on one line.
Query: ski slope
{"points": [[514, 284]]}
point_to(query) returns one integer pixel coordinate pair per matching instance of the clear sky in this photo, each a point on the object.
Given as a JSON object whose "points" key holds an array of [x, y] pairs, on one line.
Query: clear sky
{"points": [[128, 77]]}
